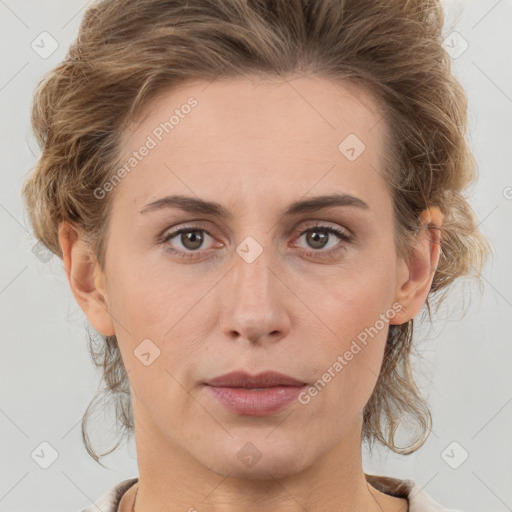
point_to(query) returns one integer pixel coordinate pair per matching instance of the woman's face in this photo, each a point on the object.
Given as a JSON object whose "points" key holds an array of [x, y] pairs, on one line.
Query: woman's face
{"points": [[278, 282]]}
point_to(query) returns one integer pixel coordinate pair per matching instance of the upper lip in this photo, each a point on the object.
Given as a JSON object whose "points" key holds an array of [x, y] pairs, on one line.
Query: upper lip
{"points": [[241, 379]]}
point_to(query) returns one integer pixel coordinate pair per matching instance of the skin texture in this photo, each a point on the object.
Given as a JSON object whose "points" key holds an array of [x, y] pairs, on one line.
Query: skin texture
{"points": [[254, 146]]}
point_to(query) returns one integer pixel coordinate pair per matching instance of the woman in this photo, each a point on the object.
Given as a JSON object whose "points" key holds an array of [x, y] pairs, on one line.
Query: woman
{"points": [[252, 202]]}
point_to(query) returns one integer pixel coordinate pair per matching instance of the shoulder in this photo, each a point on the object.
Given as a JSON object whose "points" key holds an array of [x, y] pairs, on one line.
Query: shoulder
{"points": [[109, 501], [418, 499]]}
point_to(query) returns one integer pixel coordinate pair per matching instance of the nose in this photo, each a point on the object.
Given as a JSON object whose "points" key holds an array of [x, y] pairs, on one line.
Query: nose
{"points": [[255, 300]]}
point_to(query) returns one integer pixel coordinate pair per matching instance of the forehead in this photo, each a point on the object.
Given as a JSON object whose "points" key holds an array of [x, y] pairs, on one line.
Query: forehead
{"points": [[252, 135]]}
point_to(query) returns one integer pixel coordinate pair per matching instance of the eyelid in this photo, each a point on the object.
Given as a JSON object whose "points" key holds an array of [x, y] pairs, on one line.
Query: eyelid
{"points": [[196, 225], [173, 232], [323, 224]]}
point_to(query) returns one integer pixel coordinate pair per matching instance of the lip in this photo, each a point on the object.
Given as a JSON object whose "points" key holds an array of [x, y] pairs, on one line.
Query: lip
{"points": [[255, 395], [241, 379]]}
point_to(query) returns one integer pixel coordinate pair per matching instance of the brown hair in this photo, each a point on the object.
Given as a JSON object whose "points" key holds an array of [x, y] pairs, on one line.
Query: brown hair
{"points": [[129, 51]]}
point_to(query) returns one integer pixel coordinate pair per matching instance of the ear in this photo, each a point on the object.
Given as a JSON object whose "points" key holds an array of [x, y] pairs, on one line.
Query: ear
{"points": [[86, 279], [414, 276]]}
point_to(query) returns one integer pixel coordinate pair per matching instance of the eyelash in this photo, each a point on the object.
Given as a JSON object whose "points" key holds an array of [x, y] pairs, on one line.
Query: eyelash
{"points": [[342, 235]]}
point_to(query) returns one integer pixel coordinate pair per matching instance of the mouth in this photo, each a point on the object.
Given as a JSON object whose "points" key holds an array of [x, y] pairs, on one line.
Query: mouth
{"points": [[255, 395]]}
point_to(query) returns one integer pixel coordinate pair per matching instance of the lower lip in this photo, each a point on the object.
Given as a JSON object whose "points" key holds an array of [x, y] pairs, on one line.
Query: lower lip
{"points": [[256, 402]]}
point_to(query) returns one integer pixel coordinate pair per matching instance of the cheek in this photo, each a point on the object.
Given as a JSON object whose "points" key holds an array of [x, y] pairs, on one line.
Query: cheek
{"points": [[346, 370], [349, 357], [158, 325], [146, 298], [161, 323], [355, 300]]}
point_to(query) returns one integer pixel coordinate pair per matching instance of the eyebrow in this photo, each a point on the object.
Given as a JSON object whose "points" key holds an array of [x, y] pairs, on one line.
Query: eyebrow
{"points": [[200, 206]]}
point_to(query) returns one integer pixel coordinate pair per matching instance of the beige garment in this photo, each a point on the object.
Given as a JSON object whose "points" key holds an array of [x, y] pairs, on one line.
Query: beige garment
{"points": [[419, 500]]}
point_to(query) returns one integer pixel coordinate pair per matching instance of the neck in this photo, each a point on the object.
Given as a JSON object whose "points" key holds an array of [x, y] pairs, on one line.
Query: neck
{"points": [[171, 479]]}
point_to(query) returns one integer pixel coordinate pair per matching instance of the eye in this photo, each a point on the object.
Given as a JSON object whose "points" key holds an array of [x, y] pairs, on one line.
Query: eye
{"points": [[319, 236], [190, 241], [191, 238]]}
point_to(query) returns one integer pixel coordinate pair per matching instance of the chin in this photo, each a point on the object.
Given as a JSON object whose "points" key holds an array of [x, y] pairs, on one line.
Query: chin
{"points": [[257, 457]]}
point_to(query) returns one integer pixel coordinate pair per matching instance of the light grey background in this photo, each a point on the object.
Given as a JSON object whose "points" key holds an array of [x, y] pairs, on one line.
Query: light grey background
{"points": [[47, 378]]}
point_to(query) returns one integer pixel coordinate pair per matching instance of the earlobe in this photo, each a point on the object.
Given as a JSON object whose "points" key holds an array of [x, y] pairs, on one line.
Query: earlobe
{"points": [[85, 278], [414, 278]]}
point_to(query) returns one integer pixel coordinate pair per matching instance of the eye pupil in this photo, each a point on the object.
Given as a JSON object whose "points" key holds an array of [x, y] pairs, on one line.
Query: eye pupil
{"points": [[193, 237], [317, 236]]}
